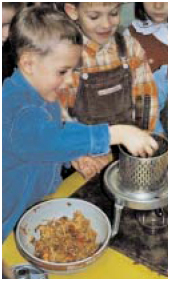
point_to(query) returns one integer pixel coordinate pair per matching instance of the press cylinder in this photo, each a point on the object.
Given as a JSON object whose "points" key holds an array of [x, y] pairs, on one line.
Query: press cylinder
{"points": [[144, 175]]}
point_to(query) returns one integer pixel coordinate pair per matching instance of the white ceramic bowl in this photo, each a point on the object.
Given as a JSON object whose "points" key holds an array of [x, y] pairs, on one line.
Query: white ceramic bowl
{"points": [[48, 210]]}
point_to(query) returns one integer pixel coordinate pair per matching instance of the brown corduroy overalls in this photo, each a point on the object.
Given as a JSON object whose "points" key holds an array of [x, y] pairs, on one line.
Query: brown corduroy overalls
{"points": [[106, 96]]}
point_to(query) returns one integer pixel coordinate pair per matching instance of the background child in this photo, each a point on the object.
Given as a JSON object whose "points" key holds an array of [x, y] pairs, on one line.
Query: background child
{"points": [[9, 9], [150, 28], [36, 143], [114, 84]]}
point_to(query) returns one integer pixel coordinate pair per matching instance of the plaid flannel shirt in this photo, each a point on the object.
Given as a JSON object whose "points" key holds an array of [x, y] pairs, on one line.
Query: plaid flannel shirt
{"points": [[95, 59]]}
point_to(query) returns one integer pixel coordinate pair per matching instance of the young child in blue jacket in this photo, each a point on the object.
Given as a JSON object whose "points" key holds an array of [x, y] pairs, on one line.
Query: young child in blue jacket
{"points": [[36, 140]]}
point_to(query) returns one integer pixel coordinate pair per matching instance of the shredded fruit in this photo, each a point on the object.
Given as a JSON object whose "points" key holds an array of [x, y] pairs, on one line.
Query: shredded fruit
{"points": [[66, 240]]}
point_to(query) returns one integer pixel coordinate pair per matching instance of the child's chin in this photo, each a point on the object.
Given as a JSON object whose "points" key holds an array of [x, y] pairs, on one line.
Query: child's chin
{"points": [[100, 41], [159, 19], [103, 41]]}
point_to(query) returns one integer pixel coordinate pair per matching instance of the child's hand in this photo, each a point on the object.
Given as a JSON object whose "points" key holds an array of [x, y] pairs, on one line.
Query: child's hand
{"points": [[90, 166], [85, 167], [7, 271], [137, 141]]}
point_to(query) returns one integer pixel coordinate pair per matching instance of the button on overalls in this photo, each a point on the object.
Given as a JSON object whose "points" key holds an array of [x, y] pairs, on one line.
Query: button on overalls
{"points": [[106, 96]]}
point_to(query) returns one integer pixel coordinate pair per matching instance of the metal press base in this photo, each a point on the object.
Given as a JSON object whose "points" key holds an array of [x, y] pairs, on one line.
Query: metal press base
{"points": [[137, 201]]}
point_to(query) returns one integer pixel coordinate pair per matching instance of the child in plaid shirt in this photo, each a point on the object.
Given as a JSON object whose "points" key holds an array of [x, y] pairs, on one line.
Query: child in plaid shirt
{"points": [[115, 83]]}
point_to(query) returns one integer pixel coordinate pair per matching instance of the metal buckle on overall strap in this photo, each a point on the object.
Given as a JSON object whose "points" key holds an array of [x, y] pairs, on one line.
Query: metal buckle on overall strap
{"points": [[124, 62]]}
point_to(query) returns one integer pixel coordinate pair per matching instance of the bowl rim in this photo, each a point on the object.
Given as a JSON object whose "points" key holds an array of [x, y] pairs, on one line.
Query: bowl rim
{"points": [[62, 264]]}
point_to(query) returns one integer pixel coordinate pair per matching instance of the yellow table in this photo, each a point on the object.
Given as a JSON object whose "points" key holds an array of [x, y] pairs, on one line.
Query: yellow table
{"points": [[112, 265]]}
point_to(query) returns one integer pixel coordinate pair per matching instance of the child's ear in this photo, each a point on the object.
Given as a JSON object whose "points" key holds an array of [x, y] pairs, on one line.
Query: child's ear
{"points": [[71, 11], [26, 62]]}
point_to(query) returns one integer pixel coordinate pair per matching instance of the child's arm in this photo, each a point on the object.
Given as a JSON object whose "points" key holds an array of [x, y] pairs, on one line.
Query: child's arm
{"points": [[35, 136]]}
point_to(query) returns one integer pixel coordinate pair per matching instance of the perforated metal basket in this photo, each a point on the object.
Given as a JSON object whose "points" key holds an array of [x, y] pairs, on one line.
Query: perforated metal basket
{"points": [[144, 175]]}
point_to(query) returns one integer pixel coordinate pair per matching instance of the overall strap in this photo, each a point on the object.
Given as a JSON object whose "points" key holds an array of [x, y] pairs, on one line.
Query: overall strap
{"points": [[121, 46]]}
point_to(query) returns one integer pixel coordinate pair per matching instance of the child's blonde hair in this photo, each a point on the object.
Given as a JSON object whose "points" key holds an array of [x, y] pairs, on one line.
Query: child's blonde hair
{"points": [[39, 29], [61, 5]]}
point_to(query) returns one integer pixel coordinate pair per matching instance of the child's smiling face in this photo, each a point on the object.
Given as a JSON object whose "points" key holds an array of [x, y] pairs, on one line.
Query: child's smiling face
{"points": [[47, 74], [157, 11], [98, 21]]}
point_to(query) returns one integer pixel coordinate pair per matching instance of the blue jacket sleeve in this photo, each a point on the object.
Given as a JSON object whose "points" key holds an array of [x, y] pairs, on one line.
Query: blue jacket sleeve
{"points": [[36, 137]]}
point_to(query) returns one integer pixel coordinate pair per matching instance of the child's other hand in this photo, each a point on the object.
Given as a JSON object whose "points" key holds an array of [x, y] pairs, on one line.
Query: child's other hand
{"points": [[137, 141], [88, 166], [7, 271]]}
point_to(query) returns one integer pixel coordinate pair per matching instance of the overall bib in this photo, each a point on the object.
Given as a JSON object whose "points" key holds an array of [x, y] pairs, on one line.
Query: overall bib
{"points": [[105, 97]]}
